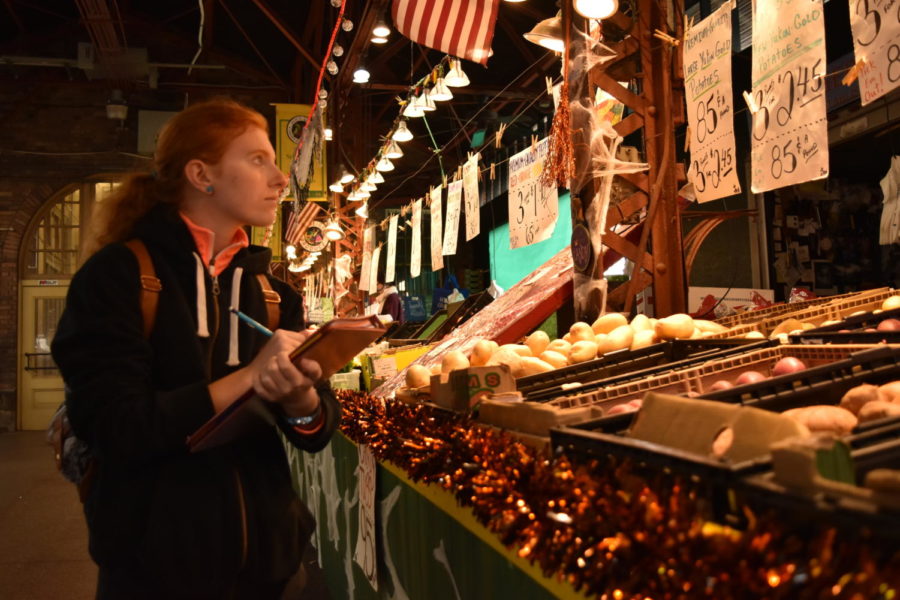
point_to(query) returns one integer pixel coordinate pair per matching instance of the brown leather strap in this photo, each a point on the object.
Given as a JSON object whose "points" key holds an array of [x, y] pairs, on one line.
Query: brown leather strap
{"points": [[150, 284], [273, 301]]}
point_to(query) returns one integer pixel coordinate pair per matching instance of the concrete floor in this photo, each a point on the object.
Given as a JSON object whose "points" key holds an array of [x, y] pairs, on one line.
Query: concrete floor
{"points": [[43, 537]]}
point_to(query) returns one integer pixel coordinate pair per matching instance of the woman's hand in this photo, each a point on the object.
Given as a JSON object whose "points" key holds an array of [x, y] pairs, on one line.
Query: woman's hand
{"points": [[277, 379]]}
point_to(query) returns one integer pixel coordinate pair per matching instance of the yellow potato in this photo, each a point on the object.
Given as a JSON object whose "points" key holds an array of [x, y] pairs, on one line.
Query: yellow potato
{"points": [[581, 331], [538, 342], [641, 323], [532, 366], [568, 338], [754, 335], [505, 356], [608, 322], [582, 351], [891, 303], [453, 361], [677, 326], [709, 326], [520, 349], [557, 360], [642, 339], [561, 346], [481, 352], [619, 338], [418, 376]]}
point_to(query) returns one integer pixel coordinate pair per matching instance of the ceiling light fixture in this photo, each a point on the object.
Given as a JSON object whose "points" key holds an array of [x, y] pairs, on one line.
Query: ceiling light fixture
{"points": [[596, 9], [363, 211], [346, 177], [381, 29], [379, 40], [441, 91], [361, 75], [413, 109], [384, 165], [402, 133], [456, 77], [376, 177], [425, 101], [393, 150], [336, 187], [333, 231], [548, 33], [329, 134]]}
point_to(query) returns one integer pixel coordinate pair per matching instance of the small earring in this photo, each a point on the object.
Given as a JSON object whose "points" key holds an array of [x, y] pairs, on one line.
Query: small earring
{"points": [[209, 189]]}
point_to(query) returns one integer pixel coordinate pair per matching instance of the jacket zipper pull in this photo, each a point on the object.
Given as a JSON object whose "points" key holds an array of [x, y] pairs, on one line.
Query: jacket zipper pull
{"points": [[215, 278]]}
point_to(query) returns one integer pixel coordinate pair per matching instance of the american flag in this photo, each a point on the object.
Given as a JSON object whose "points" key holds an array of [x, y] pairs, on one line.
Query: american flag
{"points": [[300, 220], [462, 28]]}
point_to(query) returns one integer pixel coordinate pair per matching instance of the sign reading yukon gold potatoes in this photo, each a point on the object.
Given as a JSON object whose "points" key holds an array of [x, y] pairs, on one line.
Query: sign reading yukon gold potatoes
{"points": [[415, 260], [533, 206], [437, 258]]}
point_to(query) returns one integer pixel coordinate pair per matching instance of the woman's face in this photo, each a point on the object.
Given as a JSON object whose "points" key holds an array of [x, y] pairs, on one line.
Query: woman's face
{"points": [[247, 182]]}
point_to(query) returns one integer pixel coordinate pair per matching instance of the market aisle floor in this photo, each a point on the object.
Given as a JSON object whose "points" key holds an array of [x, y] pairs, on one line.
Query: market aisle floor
{"points": [[43, 538]]}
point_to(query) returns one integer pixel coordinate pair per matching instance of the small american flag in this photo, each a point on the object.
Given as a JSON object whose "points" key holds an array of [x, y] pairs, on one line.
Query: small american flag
{"points": [[462, 28], [300, 220]]}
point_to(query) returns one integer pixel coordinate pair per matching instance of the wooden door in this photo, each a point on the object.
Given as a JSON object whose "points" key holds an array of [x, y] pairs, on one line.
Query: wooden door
{"points": [[40, 383]]}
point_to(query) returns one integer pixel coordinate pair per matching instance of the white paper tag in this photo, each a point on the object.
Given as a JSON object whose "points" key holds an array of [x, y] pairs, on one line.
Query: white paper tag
{"points": [[707, 80], [365, 273], [384, 367], [373, 277], [451, 229], [389, 268], [437, 259], [473, 204], [789, 137], [365, 554], [533, 207], [415, 256], [875, 25]]}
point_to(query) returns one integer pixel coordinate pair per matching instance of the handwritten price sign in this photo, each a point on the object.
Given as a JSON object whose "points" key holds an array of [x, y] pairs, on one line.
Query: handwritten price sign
{"points": [[470, 187], [365, 273], [451, 227], [415, 258], [437, 259], [533, 207], [789, 143], [707, 77], [876, 40], [390, 268]]}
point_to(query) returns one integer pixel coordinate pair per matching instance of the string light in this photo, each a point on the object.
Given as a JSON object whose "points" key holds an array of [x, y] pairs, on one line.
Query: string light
{"points": [[393, 150], [402, 133], [441, 91], [384, 165], [596, 9], [413, 109], [346, 177], [376, 177], [336, 187], [333, 231], [456, 77]]}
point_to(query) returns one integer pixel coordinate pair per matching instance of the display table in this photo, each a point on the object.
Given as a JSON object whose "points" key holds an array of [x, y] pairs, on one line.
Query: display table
{"points": [[427, 545]]}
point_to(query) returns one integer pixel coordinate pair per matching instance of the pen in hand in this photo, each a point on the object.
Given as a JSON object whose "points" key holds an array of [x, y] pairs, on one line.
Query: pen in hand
{"points": [[251, 322]]}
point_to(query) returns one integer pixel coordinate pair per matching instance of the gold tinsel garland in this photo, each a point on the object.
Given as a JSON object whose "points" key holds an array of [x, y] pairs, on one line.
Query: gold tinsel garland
{"points": [[560, 164]]}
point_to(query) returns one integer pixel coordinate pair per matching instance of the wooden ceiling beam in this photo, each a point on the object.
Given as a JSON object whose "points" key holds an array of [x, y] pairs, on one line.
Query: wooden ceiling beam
{"points": [[267, 11], [249, 40]]}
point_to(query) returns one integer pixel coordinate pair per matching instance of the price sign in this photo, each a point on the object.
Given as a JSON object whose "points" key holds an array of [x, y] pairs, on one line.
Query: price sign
{"points": [[533, 206], [789, 139], [451, 229], [876, 40], [365, 272], [437, 258], [707, 78], [373, 277], [415, 257], [473, 204], [390, 267], [366, 548]]}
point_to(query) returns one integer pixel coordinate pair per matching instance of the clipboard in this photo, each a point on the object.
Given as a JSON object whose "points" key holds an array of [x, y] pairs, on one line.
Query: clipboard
{"points": [[333, 345]]}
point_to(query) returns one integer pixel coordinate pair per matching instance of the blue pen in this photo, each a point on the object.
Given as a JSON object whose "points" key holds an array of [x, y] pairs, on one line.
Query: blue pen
{"points": [[251, 322]]}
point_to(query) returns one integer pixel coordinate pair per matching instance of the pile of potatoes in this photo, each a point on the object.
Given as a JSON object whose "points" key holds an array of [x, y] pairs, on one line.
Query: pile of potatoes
{"points": [[791, 326]]}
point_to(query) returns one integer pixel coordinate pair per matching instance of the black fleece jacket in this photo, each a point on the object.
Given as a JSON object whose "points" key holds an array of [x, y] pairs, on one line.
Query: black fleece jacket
{"points": [[185, 525]]}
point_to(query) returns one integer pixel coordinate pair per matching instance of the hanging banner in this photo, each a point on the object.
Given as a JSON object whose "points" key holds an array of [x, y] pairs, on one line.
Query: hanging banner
{"points": [[533, 206], [875, 25], [789, 142], [365, 554], [451, 229], [437, 259], [473, 204], [365, 271], [707, 80], [389, 268], [415, 256], [373, 278]]}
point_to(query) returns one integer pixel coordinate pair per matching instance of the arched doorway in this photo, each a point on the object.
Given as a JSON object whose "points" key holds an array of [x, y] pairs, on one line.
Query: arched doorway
{"points": [[49, 257]]}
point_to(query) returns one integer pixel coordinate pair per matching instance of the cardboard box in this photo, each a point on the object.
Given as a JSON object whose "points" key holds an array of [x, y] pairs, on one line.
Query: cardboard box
{"points": [[530, 417], [466, 387], [704, 300]]}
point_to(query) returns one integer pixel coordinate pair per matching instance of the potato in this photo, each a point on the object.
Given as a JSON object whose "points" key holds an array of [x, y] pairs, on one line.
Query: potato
{"points": [[878, 409], [857, 397], [557, 360], [418, 376], [891, 303], [568, 338], [883, 480], [754, 335], [561, 346], [581, 331], [709, 326], [696, 334], [786, 365], [677, 326], [532, 366], [520, 349], [643, 338], [453, 361], [435, 369], [748, 377], [582, 351], [641, 323], [890, 392], [824, 418], [538, 342], [481, 352], [608, 322], [505, 356], [619, 338], [786, 326]]}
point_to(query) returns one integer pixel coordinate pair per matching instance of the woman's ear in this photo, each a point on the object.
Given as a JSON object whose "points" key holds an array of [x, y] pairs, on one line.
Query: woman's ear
{"points": [[198, 175]]}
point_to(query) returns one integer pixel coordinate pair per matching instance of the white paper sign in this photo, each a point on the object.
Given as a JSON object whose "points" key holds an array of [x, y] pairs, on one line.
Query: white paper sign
{"points": [[373, 277], [365, 271], [707, 80], [876, 39], [390, 267], [415, 257], [384, 367], [533, 207], [437, 259], [365, 553], [473, 204], [789, 138], [451, 229]]}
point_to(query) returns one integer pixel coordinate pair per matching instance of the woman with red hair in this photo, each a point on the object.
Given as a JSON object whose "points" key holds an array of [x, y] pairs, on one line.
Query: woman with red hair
{"points": [[165, 522]]}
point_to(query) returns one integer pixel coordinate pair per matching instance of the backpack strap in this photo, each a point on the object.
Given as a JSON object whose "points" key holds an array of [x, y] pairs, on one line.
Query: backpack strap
{"points": [[150, 284], [273, 301]]}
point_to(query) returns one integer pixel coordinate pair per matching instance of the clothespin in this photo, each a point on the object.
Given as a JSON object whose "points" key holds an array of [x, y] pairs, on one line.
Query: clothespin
{"points": [[459, 172], [662, 35], [549, 81], [853, 74], [751, 103], [687, 138], [499, 135], [534, 141], [492, 171], [444, 179]]}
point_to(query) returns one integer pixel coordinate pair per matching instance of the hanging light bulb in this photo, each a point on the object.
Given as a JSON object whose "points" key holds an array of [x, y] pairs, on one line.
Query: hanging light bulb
{"points": [[381, 29], [596, 9], [368, 186], [413, 109], [425, 101], [393, 150], [384, 164], [548, 33], [336, 3], [362, 193], [352, 196], [290, 251], [329, 134], [333, 231], [363, 211], [338, 50], [332, 67], [456, 77], [336, 187], [441, 91], [379, 40], [347, 25], [323, 93], [361, 75], [402, 133], [376, 177]]}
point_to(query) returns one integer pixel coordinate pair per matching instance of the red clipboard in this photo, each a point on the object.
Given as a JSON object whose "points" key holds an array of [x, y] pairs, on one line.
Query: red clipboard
{"points": [[333, 345]]}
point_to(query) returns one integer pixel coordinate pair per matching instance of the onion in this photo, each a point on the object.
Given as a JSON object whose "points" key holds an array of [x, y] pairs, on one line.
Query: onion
{"points": [[748, 377], [786, 365]]}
